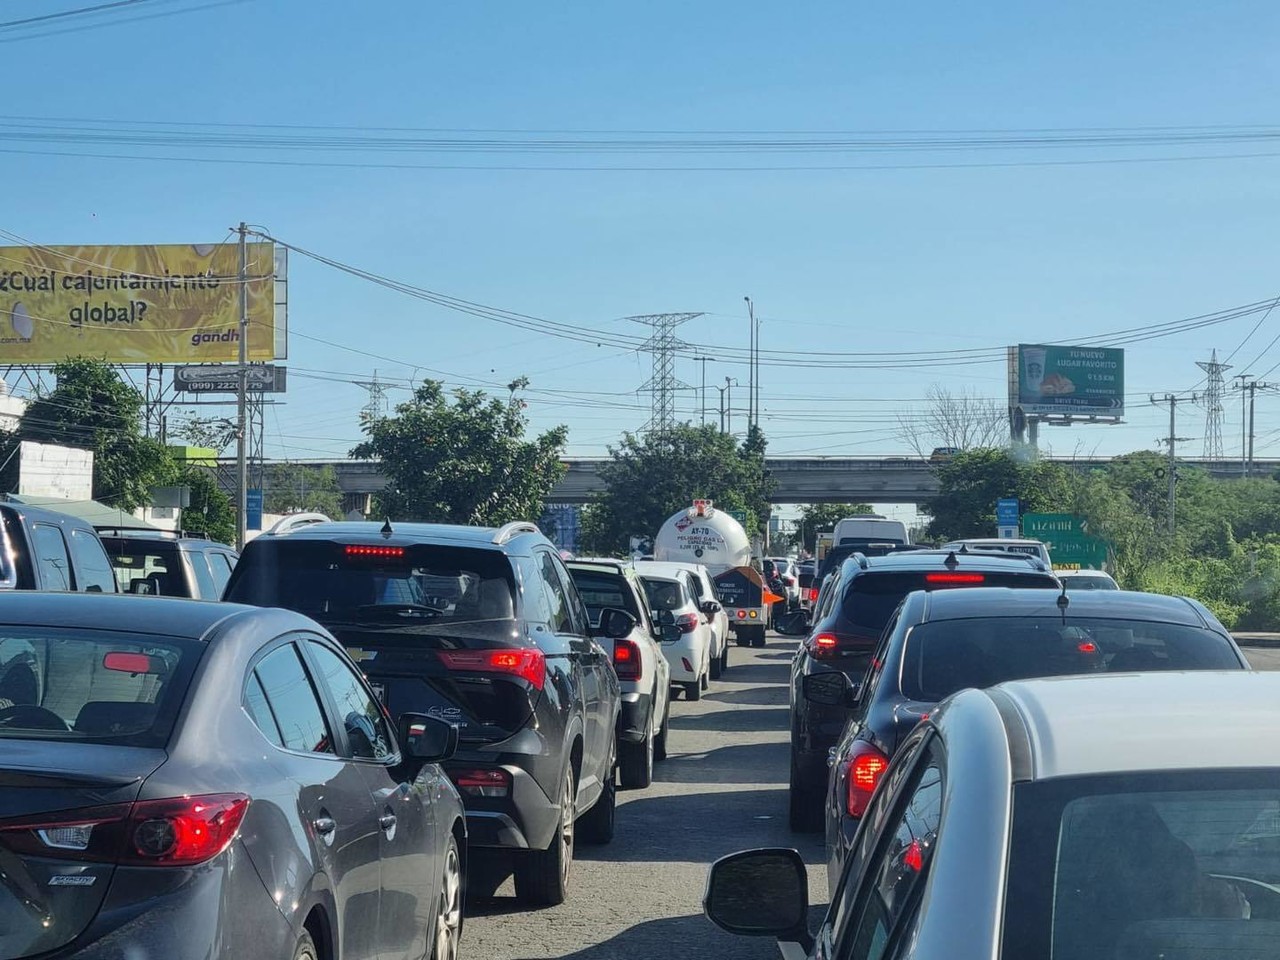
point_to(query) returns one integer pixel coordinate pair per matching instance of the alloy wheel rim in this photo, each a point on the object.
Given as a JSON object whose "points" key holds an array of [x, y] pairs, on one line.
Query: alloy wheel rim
{"points": [[449, 920], [569, 808]]}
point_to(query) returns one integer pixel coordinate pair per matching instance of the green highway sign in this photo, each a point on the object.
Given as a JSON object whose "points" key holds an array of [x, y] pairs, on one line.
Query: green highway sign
{"points": [[739, 515], [1070, 381], [1068, 540]]}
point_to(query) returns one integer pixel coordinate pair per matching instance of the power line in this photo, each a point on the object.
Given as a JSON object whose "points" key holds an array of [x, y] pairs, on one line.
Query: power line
{"points": [[63, 14]]}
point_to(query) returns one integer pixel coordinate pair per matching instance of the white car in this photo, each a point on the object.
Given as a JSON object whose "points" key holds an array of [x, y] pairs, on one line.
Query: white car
{"points": [[1086, 580], [1026, 548], [669, 590], [789, 570], [644, 675], [703, 587]]}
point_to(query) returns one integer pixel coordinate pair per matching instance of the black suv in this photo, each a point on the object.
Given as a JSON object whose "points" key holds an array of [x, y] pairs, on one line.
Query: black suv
{"points": [[853, 609], [485, 629], [163, 564]]}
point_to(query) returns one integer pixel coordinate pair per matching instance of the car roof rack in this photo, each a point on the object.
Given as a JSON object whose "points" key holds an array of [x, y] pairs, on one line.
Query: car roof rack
{"points": [[138, 531], [516, 527], [295, 521]]}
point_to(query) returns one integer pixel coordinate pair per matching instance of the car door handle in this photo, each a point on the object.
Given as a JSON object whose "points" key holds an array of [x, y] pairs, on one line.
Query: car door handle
{"points": [[325, 826], [387, 821]]}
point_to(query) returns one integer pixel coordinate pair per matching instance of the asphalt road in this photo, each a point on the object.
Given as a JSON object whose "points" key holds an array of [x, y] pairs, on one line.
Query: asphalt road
{"points": [[1263, 658], [723, 788]]}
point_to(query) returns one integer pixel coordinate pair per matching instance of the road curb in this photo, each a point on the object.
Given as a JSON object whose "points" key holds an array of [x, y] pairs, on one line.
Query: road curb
{"points": [[1257, 639]]}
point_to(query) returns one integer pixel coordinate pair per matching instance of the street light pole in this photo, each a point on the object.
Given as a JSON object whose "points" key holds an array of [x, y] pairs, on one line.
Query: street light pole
{"points": [[703, 389], [752, 412], [242, 390]]}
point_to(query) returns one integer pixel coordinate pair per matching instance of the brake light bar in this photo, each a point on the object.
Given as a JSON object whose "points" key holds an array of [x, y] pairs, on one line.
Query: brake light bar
{"points": [[687, 622], [527, 663], [368, 550], [866, 766], [955, 578]]}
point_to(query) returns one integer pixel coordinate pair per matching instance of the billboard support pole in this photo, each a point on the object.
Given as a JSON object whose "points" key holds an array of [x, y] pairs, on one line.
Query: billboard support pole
{"points": [[242, 426]]}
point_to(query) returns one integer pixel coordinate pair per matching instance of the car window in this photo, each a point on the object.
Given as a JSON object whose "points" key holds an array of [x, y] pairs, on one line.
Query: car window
{"points": [[870, 599], [663, 595], [146, 566], [206, 589], [255, 703], [51, 557], [561, 620], [368, 737], [945, 656], [220, 567], [898, 870], [94, 569], [1167, 864], [92, 686], [600, 589], [577, 609], [293, 701], [695, 586]]}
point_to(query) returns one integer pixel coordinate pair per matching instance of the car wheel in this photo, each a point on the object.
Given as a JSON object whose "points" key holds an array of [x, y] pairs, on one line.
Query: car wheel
{"points": [[724, 658], [447, 933], [742, 638], [757, 636], [542, 876], [692, 690], [804, 805], [716, 664], [660, 738], [305, 949], [705, 680], [635, 761], [597, 823]]}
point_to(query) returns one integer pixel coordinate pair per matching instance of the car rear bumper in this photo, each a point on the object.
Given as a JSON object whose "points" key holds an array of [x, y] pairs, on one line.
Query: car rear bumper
{"points": [[691, 649], [634, 717], [524, 819]]}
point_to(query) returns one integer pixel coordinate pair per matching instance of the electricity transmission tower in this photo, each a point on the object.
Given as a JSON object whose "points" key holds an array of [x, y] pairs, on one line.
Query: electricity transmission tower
{"points": [[376, 407], [1212, 400], [662, 385]]}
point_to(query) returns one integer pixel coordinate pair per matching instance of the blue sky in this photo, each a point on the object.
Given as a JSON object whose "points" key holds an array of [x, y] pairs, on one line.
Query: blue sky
{"points": [[936, 257]]}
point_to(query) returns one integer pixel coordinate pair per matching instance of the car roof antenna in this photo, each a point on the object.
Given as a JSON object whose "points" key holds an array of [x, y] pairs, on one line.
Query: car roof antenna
{"points": [[951, 560], [386, 528], [1063, 601]]}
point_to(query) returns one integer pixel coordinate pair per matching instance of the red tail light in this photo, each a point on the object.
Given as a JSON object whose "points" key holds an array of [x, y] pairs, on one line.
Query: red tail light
{"points": [[821, 644], [156, 833], [626, 659], [687, 622], [956, 578], [813, 594], [742, 614], [527, 663], [482, 782], [866, 766]]}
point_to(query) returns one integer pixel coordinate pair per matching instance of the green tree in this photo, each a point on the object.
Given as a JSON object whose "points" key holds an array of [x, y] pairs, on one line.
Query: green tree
{"points": [[461, 457], [210, 512], [817, 518], [973, 480], [298, 487], [647, 479], [92, 408]]}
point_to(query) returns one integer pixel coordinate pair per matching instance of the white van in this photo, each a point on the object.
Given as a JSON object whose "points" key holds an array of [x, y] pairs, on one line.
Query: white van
{"points": [[871, 527]]}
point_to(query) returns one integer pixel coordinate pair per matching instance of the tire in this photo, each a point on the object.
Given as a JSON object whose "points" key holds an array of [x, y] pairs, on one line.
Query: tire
{"points": [[635, 761], [542, 876], [692, 690], [804, 805], [705, 681], [305, 948], [446, 934], [717, 663], [724, 659], [660, 738], [596, 825], [757, 636], [741, 638]]}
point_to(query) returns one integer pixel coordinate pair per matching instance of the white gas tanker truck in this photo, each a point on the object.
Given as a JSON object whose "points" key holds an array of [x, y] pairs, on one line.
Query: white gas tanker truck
{"points": [[702, 534]]}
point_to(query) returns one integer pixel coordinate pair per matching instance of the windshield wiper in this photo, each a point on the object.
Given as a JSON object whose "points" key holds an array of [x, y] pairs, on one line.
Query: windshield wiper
{"points": [[404, 610]]}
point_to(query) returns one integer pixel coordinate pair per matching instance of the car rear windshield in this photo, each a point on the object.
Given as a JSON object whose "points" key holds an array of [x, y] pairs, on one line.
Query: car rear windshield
{"points": [[949, 655], [600, 590], [1089, 583], [1171, 865], [663, 594], [92, 686], [871, 598], [372, 583], [147, 566]]}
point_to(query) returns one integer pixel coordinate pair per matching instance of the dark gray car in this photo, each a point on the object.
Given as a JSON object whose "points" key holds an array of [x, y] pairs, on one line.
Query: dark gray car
{"points": [[188, 780]]}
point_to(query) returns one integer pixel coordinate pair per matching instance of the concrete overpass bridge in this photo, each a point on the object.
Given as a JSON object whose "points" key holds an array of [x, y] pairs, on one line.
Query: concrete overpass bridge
{"points": [[798, 479]]}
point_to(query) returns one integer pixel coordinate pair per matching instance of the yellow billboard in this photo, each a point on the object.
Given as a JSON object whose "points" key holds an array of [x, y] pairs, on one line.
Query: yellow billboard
{"points": [[175, 303]]}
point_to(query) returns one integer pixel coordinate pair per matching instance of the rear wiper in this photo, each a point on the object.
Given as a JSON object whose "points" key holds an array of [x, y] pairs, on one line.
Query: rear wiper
{"points": [[398, 610]]}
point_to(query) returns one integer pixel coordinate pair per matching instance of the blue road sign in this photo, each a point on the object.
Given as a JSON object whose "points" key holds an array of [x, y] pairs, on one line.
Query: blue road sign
{"points": [[253, 509], [1007, 512]]}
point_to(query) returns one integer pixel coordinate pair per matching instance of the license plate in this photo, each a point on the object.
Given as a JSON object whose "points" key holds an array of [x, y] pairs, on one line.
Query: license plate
{"points": [[379, 691]]}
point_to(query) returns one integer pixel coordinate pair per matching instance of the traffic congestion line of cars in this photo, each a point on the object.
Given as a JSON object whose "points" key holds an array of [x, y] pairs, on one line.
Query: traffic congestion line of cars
{"points": [[374, 720]]}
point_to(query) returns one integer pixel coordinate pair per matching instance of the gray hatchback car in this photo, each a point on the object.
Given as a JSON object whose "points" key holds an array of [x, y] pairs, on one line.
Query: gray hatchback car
{"points": [[188, 780]]}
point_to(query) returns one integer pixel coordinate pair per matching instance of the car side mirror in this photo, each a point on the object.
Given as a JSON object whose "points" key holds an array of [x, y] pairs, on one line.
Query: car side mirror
{"points": [[427, 739], [670, 632], [831, 688], [760, 893], [711, 608], [615, 624]]}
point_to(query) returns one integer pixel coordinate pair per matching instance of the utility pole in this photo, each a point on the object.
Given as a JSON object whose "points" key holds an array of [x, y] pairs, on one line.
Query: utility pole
{"points": [[753, 364], [242, 397], [726, 404], [1171, 471], [703, 388], [1243, 387]]}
